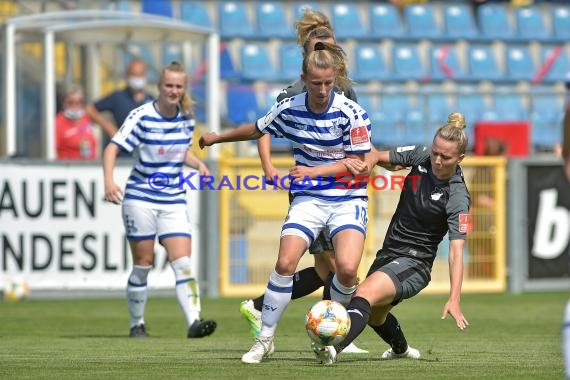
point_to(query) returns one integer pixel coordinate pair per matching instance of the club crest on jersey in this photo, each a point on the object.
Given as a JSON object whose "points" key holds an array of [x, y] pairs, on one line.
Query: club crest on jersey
{"points": [[436, 194], [335, 130], [359, 135], [160, 151]]}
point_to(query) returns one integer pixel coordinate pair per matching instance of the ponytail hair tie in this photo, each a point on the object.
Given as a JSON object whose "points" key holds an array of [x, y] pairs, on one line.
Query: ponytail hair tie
{"points": [[319, 46]]}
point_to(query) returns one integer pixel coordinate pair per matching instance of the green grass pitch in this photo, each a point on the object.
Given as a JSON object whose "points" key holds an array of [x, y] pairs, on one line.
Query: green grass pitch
{"points": [[510, 337]]}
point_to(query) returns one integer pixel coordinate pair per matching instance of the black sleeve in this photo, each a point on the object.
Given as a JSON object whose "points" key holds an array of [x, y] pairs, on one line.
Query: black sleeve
{"points": [[294, 89], [458, 218], [349, 93], [409, 155]]}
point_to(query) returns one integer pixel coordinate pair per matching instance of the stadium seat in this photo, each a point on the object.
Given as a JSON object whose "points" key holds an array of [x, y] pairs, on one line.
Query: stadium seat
{"points": [[494, 22], [347, 21], [228, 70], [519, 63], [458, 22], [195, 13], [547, 112], [421, 22], [415, 128], [482, 64], [437, 105], [406, 63], [369, 64], [444, 64], [234, 21], [302, 5], [560, 16], [157, 7], [385, 21], [256, 63], [290, 60], [471, 103], [368, 102], [530, 24], [556, 59], [509, 105], [392, 100], [242, 104], [272, 21]]}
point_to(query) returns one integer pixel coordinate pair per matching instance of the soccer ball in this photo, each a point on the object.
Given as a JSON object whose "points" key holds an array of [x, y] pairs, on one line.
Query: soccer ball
{"points": [[327, 323], [15, 289]]}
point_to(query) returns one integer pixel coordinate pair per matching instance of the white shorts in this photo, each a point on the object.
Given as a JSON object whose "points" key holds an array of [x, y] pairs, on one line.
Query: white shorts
{"points": [[308, 216], [145, 223]]}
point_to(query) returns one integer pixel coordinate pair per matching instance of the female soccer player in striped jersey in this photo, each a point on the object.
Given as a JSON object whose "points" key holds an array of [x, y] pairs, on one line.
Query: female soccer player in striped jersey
{"points": [[324, 128], [161, 131], [433, 202]]}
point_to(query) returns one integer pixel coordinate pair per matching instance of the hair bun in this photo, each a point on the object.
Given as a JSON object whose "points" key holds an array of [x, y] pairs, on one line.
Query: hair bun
{"points": [[457, 120], [319, 46]]}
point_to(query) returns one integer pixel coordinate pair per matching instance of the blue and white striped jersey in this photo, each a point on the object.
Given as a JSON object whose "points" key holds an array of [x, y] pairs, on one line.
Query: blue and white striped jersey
{"points": [[321, 139], [161, 146]]}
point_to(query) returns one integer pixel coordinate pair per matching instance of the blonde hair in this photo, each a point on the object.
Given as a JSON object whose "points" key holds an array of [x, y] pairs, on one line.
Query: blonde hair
{"points": [[454, 130], [325, 56], [186, 103], [313, 24]]}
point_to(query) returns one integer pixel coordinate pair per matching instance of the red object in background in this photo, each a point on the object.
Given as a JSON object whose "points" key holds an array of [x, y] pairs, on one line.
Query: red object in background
{"points": [[514, 134]]}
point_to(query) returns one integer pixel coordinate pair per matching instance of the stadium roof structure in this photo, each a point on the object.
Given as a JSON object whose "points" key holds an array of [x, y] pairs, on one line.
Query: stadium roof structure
{"points": [[92, 28]]}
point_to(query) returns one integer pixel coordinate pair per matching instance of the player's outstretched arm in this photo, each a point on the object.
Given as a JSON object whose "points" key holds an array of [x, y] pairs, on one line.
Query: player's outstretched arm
{"points": [[452, 306], [242, 133]]}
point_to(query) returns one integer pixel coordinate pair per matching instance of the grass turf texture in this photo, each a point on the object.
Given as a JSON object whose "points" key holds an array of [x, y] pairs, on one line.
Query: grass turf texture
{"points": [[510, 337]]}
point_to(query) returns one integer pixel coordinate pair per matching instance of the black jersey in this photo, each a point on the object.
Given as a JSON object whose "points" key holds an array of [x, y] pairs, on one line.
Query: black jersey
{"points": [[298, 87], [428, 207]]}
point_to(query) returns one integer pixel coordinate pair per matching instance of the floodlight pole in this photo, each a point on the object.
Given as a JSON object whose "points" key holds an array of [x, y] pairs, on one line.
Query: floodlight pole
{"points": [[10, 89]]}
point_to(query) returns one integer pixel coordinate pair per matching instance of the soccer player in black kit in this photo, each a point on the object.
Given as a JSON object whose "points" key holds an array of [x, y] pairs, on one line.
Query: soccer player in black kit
{"points": [[434, 201]]}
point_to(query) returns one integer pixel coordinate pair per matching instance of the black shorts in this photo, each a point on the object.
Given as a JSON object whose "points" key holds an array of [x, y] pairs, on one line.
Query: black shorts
{"points": [[409, 275], [322, 242]]}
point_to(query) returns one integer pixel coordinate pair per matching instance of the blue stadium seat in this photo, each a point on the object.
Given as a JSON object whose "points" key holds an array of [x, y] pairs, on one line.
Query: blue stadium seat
{"points": [[560, 15], [290, 60], [228, 70], [195, 13], [458, 22], [519, 63], [509, 105], [369, 103], [530, 24], [234, 21], [406, 63], [482, 64], [415, 131], [242, 104], [444, 64], [369, 64], [347, 21], [302, 5], [272, 20], [557, 57], [494, 22], [392, 100], [437, 105], [256, 63], [385, 21], [547, 112], [471, 103], [421, 22], [157, 7]]}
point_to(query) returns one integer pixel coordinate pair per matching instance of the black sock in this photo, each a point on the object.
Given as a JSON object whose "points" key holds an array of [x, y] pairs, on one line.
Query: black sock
{"points": [[258, 302], [392, 333], [327, 287], [305, 282], [359, 311]]}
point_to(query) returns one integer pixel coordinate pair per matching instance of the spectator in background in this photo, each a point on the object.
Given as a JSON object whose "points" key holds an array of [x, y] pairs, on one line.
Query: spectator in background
{"points": [[75, 138], [121, 102]]}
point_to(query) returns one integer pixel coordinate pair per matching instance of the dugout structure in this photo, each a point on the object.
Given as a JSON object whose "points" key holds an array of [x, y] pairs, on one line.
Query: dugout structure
{"points": [[92, 29]]}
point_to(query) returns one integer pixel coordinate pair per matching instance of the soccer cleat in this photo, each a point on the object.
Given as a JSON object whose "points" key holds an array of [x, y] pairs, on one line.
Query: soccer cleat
{"points": [[262, 348], [353, 349], [201, 328], [411, 353], [138, 331], [252, 315], [325, 354]]}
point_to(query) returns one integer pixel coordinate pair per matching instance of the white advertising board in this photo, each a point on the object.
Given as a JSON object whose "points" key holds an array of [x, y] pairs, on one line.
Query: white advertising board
{"points": [[58, 233]]}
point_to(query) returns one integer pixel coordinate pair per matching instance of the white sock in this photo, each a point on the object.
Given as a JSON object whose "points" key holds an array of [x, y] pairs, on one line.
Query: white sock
{"points": [[566, 340], [137, 293], [277, 297], [341, 293], [187, 291]]}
